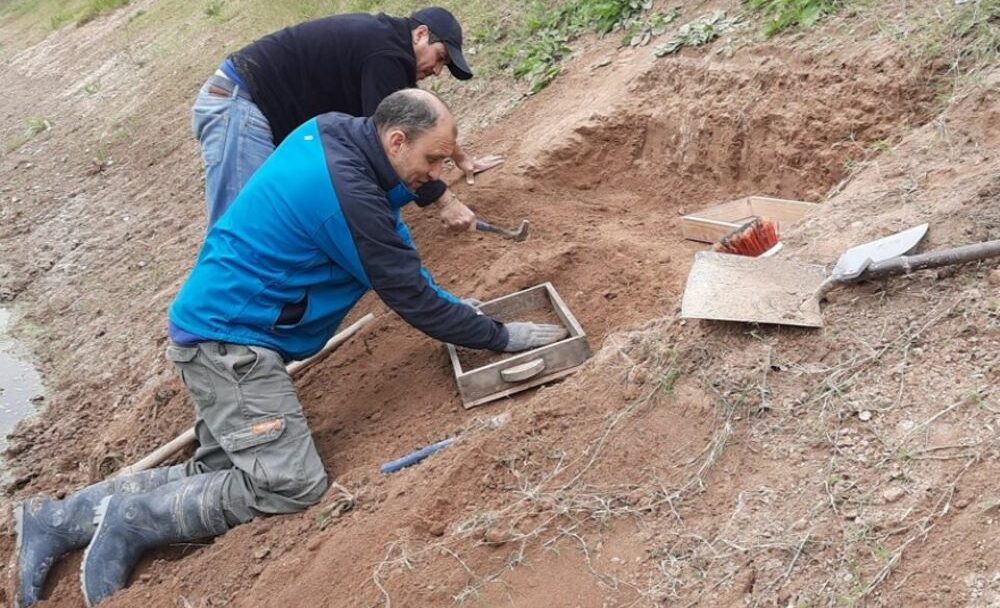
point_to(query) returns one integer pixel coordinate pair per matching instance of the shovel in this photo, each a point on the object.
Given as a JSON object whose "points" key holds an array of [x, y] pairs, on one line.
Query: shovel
{"points": [[767, 290]]}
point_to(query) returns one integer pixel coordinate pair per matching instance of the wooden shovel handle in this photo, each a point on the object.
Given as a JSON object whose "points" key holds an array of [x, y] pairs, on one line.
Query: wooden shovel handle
{"points": [[188, 437], [905, 264]]}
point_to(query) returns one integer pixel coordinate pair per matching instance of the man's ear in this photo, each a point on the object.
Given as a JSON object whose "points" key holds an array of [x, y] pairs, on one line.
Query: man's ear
{"points": [[396, 140], [419, 33]]}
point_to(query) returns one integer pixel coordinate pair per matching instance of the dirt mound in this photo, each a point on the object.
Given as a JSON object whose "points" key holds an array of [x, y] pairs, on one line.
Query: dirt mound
{"points": [[688, 463]]}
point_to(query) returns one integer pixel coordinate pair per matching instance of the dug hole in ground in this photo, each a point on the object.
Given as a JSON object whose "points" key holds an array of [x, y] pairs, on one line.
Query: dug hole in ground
{"points": [[687, 463]]}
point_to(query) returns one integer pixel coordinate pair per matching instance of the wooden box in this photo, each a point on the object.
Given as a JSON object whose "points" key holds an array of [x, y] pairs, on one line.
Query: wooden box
{"points": [[524, 370], [713, 223]]}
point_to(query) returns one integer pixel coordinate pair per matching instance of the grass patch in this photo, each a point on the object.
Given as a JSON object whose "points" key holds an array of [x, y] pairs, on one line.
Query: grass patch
{"points": [[96, 8], [36, 126], [974, 34], [781, 15], [542, 41]]}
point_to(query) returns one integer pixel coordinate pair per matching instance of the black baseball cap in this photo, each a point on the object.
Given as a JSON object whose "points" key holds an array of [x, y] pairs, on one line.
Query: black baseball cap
{"points": [[444, 25]]}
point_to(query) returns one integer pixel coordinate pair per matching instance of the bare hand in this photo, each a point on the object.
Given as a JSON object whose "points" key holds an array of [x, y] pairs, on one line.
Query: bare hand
{"points": [[483, 163], [456, 216]]}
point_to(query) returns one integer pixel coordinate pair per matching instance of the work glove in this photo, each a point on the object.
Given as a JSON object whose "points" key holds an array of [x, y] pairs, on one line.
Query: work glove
{"points": [[525, 336]]}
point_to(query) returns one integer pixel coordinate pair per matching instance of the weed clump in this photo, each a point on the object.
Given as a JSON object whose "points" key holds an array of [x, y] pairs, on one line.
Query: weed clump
{"points": [[96, 8], [549, 32], [784, 14]]}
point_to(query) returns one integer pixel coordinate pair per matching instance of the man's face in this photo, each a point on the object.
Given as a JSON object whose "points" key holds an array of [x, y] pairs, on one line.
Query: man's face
{"points": [[431, 58], [421, 160]]}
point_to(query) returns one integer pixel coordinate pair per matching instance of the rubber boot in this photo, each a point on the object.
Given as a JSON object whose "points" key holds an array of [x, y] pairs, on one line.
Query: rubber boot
{"points": [[129, 526], [48, 528]]}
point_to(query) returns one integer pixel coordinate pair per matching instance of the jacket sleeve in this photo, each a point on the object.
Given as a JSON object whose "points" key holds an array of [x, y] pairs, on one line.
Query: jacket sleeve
{"points": [[430, 192], [392, 267], [382, 75]]}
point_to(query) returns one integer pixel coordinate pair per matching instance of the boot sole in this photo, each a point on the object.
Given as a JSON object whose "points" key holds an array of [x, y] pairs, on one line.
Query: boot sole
{"points": [[99, 512]]}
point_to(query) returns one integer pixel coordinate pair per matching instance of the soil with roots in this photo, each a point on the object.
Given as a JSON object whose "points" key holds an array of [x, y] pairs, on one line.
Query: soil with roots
{"points": [[687, 463]]}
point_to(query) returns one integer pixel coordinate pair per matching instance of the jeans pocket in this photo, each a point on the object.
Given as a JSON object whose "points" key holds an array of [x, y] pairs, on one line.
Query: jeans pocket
{"points": [[210, 118]]}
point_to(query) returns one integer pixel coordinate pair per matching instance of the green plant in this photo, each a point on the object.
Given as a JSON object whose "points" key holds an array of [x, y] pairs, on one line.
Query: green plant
{"points": [[96, 8], [783, 14], [638, 32], [697, 32], [214, 8], [59, 19], [976, 29], [37, 125], [543, 41]]}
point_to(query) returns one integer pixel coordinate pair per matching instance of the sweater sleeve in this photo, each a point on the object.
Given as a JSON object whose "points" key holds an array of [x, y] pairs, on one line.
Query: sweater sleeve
{"points": [[430, 192]]}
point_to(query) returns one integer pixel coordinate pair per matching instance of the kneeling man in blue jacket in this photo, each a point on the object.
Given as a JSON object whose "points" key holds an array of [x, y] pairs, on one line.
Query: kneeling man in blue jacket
{"points": [[316, 227]]}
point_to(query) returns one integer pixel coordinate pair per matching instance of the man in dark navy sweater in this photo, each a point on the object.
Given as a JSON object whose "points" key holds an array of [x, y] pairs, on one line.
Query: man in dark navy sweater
{"points": [[313, 230], [341, 63]]}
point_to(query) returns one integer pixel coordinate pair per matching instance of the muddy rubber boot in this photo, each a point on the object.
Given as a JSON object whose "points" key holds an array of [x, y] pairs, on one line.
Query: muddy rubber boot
{"points": [[129, 526], [48, 528]]}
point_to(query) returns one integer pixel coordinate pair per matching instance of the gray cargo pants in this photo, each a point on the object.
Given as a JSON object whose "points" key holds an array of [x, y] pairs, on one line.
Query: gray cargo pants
{"points": [[250, 423]]}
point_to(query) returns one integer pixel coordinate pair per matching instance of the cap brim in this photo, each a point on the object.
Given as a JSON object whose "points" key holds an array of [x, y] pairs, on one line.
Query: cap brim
{"points": [[456, 63]]}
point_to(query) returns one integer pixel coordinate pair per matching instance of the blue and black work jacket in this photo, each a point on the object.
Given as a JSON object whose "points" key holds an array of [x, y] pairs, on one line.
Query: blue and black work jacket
{"points": [[316, 227]]}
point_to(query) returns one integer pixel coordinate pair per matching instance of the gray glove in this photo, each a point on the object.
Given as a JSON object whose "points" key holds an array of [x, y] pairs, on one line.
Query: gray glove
{"points": [[525, 336]]}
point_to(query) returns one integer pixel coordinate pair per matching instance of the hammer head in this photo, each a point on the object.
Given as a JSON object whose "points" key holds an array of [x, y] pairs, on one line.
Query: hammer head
{"points": [[521, 233]]}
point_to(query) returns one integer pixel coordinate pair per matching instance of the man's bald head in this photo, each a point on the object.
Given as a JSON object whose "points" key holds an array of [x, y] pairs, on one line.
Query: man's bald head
{"points": [[413, 111], [417, 132]]}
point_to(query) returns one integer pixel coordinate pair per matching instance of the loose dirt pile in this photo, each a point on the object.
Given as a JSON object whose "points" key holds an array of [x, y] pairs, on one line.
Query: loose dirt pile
{"points": [[687, 464]]}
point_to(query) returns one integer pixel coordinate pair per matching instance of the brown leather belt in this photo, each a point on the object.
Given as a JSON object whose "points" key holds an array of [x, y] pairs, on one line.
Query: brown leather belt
{"points": [[223, 87]]}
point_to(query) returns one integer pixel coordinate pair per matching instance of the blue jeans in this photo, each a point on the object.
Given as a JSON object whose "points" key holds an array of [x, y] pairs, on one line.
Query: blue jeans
{"points": [[235, 140]]}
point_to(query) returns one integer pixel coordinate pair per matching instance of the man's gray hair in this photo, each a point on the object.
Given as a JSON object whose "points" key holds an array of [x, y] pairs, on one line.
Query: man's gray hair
{"points": [[412, 111]]}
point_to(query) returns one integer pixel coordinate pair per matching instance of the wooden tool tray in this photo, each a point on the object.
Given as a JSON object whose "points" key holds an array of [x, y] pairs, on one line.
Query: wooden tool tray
{"points": [[710, 224], [480, 383]]}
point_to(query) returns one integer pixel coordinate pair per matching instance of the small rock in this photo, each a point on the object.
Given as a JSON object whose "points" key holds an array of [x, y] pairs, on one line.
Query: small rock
{"points": [[892, 494], [314, 543], [436, 528], [495, 536], [261, 553], [864, 415], [376, 416]]}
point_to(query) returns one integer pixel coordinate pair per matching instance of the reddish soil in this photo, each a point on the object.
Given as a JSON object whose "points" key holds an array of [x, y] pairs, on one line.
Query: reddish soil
{"points": [[688, 463]]}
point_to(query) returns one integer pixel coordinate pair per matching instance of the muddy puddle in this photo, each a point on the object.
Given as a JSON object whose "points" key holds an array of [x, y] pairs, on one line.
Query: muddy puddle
{"points": [[21, 390]]}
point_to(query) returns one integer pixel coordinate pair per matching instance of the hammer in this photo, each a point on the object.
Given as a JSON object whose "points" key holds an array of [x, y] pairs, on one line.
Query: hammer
{"points": [[515, 235]]}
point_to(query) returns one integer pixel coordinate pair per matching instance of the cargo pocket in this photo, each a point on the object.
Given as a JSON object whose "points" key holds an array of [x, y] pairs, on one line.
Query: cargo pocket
{"points": [[258, 431], [195, 377], [261, 449]]}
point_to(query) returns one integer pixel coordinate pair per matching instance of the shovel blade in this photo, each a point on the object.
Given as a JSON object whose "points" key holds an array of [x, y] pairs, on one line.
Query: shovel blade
{"points": [[855, 260], [729, 287]]}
